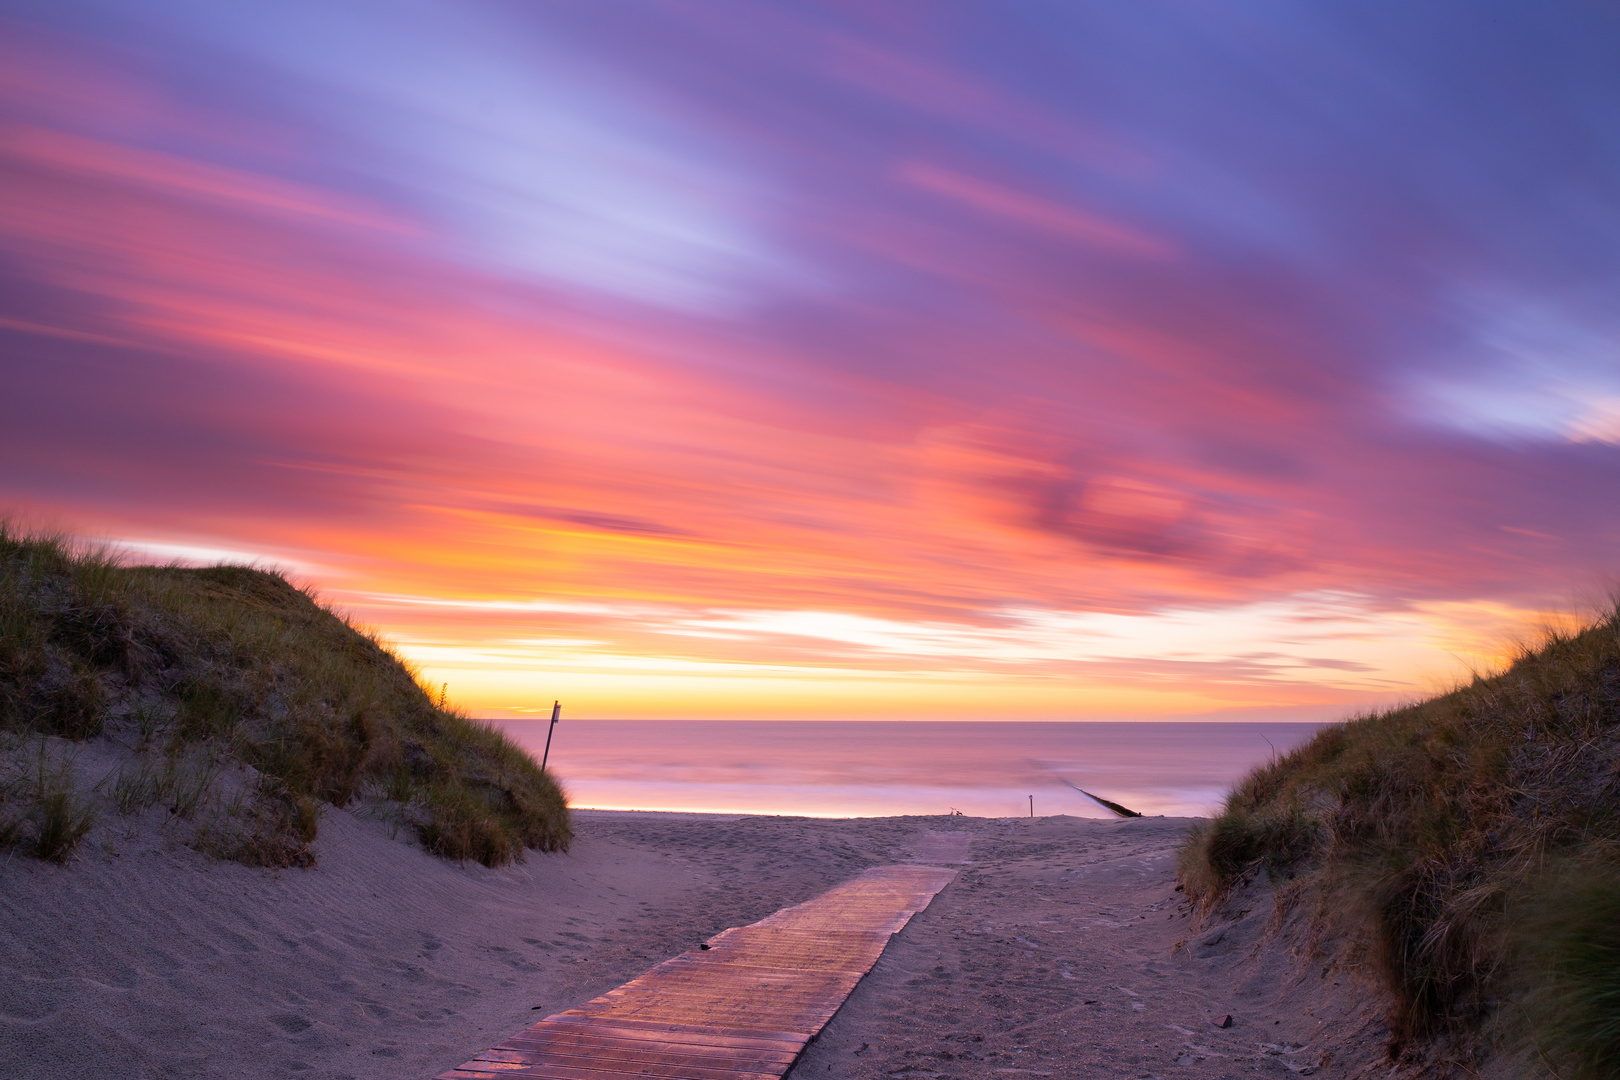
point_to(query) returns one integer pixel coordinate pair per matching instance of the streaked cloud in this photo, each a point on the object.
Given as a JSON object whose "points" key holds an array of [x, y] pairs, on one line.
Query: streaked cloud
{"points": [[1531, 372], [1032, 211], [717, 359]]}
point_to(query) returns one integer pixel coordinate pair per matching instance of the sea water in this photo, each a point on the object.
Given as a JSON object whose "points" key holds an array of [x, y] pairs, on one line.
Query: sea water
{"points": [[878, 768]]}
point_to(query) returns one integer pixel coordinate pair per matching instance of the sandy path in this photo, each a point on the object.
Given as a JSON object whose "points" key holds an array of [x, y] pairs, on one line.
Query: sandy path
{"points": [[144, 959], [1064, 950], [1053, 948]]}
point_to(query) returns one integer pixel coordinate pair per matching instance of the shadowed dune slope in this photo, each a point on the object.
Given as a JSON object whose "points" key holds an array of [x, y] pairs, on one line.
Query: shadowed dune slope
{"points": [[233, 706], [1465, 851]]}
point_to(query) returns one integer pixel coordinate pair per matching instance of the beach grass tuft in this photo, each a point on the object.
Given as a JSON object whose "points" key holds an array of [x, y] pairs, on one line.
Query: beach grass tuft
{"points": [[1567, 947], [47, 814], [206, 669], [1431, 832]]}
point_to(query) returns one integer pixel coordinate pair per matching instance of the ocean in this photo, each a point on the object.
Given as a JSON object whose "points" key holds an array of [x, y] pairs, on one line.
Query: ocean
{"points": [[879, 768]]}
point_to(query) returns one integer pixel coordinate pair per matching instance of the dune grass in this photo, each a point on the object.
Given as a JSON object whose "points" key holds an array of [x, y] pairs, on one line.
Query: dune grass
{"points": [[1471, 844], [42, 809], [230, 664], [1568, 964]]}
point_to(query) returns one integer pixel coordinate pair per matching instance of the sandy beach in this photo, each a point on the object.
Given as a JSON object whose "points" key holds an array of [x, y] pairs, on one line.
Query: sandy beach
{"points": [[1061, 949]]}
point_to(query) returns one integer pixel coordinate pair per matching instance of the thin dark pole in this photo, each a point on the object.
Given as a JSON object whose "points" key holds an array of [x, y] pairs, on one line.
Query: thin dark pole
{"points": [[1031, 802], [556, 713]]}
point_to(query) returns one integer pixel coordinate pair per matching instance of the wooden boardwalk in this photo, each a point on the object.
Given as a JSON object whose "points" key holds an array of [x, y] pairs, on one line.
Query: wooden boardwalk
{"points": [[742, 1007]]}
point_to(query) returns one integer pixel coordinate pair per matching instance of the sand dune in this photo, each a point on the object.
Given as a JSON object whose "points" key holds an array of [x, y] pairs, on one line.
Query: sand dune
{"points": [[1053, 953]]}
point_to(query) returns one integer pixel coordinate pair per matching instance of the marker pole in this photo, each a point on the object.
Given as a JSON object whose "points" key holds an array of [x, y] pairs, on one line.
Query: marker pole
{"points": [[556, 713]]}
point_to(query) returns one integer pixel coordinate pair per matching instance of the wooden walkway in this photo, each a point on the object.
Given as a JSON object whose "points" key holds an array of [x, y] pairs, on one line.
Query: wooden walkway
{"points": [[742, 1007]]}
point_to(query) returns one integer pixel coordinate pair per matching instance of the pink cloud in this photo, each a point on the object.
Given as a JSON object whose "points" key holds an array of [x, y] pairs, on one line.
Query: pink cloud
{"points": [[1036, 213], [1068, 411]]}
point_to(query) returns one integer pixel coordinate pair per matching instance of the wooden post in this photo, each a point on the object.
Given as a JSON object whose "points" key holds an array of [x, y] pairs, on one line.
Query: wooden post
{"points": [[556, 713], [1032, 806]]}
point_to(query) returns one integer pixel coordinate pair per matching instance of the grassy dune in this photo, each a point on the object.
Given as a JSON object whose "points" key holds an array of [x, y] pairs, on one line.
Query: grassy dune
{"points": [[1466, 849], [234, 701]]}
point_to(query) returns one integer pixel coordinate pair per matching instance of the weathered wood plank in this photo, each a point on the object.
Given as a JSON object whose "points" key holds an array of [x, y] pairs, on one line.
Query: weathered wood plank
{"points": [[562, 1043], [661, 1029], [566, 1072], [687, 1066], [697, 1066], [575, 1045]]}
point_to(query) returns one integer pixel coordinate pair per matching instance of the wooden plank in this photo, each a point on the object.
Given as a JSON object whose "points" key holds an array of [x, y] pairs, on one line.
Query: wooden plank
{"points": [[715, 997], [574, 1046], [729, 982], [700, 967], [649, 1063], [741, 1009], [630, 1027], [568, 1043], [717, 1066], [561, 1042], [777, 995], [642, 998], [798, 950], [494, 1071], [801, 1023]]}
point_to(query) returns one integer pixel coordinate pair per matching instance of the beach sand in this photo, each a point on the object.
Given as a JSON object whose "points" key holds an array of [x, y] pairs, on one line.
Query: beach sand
{"points": [[1060, 950]]}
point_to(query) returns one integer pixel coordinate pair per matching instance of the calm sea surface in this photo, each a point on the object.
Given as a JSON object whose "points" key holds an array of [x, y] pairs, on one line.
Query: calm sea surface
{"points": [[861, 768]]}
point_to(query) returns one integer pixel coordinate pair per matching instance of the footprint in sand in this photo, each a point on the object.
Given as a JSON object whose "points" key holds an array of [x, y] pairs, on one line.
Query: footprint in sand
{"points": [[29, 1008], [292, 1023]]}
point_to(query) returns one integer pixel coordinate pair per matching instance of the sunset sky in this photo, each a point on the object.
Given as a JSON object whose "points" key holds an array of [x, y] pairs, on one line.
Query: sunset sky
{"points": [[853, 359]]}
